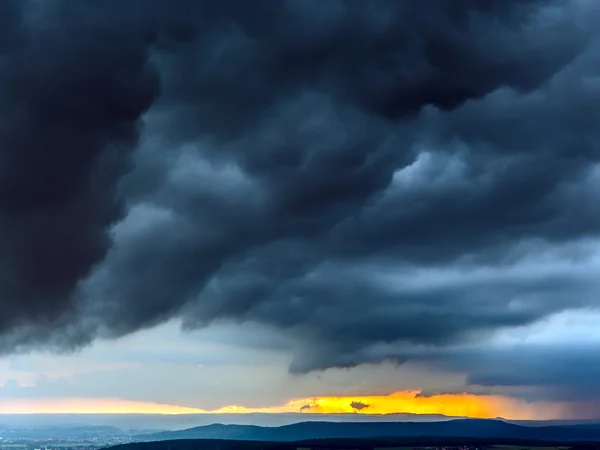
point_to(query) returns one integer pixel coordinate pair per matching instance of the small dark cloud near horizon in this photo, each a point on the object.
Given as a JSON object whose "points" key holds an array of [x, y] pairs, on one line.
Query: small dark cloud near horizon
{"points": [[359, 406], [305, 408], [371, 179]]}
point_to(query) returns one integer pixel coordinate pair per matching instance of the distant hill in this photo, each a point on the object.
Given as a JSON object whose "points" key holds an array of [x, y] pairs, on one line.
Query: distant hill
{"points": [[161, 422], [460, 428]]}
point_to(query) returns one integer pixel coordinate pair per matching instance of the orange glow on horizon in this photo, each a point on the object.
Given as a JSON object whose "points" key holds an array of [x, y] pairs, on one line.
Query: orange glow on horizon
{"points": [[90, 406], [466, 405]]}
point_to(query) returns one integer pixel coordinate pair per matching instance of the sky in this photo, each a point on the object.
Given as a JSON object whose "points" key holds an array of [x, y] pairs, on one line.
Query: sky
{"points": [[308, 206]]}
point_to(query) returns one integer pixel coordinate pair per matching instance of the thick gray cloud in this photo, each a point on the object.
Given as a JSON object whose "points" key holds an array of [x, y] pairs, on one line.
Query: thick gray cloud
{"points": [[369, 178], [558, 372], [71, 95]]}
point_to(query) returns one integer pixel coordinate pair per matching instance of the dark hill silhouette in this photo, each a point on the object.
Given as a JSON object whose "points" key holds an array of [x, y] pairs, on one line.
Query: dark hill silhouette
{"points": [[460, 428], [359, 444]]}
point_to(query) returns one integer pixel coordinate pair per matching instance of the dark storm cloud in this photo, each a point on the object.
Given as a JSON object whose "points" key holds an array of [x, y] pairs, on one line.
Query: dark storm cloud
{"points": [[559, 372], [567, 373], [370, 178], [71, 93]]}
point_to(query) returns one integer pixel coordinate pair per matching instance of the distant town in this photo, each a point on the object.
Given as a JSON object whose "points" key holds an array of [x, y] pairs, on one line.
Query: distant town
{"points": [[34, 440]]}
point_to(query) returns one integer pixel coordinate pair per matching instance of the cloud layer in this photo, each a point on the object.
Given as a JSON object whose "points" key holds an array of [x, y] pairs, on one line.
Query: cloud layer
{"points": [[373, 180]]}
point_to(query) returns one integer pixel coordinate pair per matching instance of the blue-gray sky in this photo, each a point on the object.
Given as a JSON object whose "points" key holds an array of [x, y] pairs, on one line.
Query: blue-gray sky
{"points": [[205, 204]]}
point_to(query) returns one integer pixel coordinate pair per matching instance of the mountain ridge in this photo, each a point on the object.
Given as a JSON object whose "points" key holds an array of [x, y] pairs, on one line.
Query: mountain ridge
{"points": [[456, 428]]}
